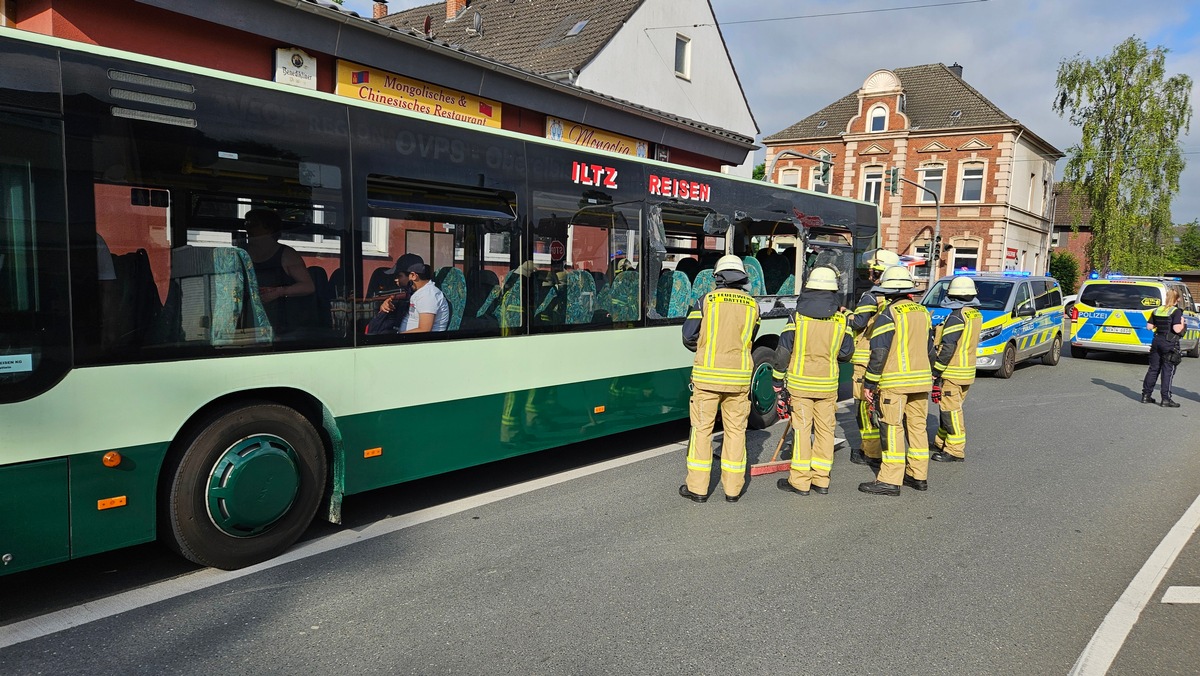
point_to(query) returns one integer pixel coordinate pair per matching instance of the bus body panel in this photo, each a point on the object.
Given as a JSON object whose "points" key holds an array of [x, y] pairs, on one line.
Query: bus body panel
{"points": [[114, 507], [35, 530]]}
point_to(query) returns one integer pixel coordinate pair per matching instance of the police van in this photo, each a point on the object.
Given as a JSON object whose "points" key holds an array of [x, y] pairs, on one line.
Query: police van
{"points": [[1022, 317], [1112, 314]]}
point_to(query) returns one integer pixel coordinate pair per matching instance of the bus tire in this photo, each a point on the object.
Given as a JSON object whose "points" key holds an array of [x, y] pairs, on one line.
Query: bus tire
{"points": [[1051, 358], [1008, 362], [244, 486], [762, 416]]}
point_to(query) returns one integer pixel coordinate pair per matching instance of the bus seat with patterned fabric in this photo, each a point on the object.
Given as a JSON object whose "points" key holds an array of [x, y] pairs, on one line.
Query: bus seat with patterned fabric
{"points": [[581, 297], [453, 285], [681, 296], [788, 288], [755, 272], [705, 282], [625, 306], [662, 294], [775, 270]]}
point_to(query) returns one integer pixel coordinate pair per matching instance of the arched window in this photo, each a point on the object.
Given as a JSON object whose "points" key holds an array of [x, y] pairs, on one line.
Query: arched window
{"points": [[878, 118]]}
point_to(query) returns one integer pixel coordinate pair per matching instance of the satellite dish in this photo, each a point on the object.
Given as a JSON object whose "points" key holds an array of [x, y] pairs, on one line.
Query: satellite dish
{"points": [[428, 28], [477, 24]]}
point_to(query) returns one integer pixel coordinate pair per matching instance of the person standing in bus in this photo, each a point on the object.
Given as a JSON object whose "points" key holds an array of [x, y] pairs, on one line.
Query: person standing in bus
{"points": [[861, 321], [810, 347], [279, 269], [720, 329], [953, 360], [1167, 323]]}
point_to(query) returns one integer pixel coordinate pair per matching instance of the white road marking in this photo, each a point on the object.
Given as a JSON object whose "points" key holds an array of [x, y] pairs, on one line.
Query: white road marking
{"points": [[51, 623], [1100, 652], [1182, 595]]}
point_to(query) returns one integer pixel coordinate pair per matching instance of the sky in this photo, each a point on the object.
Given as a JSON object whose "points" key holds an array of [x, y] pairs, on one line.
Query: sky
{"points": [[1010, 51]]}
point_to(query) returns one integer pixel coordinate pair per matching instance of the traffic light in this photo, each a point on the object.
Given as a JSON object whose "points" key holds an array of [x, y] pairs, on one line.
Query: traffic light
{"points": [[823, 169], [891, 181], [935, 252]]}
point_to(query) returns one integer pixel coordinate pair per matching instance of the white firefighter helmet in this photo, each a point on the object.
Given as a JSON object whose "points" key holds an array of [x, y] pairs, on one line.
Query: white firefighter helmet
{"points": [[895, 280], [822, 278], [880, 259], [961, 287], [729, 262]]}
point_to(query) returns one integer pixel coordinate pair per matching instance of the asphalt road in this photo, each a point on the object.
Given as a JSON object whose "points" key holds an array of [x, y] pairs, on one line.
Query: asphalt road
{"points": [[1007, 565]]}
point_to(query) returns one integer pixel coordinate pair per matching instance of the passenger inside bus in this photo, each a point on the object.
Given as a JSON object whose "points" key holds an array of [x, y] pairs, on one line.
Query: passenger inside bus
{"points": [[393, 312], [280, 271]]}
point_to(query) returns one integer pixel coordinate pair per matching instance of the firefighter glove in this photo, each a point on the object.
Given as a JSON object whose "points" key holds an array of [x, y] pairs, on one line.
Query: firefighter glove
{"points": [[783, 401], [936, 394]]}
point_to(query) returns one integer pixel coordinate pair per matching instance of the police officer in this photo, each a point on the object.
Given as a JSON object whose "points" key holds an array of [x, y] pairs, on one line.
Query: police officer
{"points": [[1167, 322], [954, 367], [720, 329], [810, 347], [861, 322], [898, 382]]}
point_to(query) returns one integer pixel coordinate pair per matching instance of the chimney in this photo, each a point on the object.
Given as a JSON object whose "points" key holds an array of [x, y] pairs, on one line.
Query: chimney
{"points": [[454, 7], [379, 9], [957, 70]]}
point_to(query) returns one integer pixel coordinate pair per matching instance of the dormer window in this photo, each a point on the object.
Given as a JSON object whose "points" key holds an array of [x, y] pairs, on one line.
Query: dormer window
{"points": [[956, 114], [577, 28], [822, 124], [878, 119]]}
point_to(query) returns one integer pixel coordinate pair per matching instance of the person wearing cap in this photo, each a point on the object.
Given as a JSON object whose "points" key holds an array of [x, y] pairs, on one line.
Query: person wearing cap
{"points": [[720, 329], [953, 359], [393, 312], [861, 321], [427, 309], [897, 384], [806, 378], [279, 269]]}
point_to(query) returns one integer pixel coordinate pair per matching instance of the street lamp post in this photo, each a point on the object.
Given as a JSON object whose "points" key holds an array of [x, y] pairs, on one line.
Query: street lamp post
{"points": [[935, 247]]}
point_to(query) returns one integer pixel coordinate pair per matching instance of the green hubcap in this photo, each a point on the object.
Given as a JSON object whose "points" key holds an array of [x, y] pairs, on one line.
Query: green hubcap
{"points": [[252, 485], [762, 394]]}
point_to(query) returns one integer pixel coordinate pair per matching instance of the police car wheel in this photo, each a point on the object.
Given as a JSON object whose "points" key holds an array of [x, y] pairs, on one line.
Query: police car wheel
{"points": [[1195, 351], [1051, 357], [1078, 352], [1008, 362]]}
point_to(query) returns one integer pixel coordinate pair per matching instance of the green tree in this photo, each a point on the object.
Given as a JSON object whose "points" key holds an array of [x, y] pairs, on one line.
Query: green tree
{"points": [[1065, 269], [1126, 165], [760, 170], [1186, 255]]}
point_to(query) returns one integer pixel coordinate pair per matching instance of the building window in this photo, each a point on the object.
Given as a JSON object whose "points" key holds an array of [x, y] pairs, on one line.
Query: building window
{"points": [[931, 179], [879, 118], [972, 182], [872, 184], [683, 57], [790, 178], [1057, 239], [965, 258]]}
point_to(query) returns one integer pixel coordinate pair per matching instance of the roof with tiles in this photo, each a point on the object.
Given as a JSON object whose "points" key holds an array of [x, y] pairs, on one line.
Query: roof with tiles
{"points": [[541, 36], [932, 96]]}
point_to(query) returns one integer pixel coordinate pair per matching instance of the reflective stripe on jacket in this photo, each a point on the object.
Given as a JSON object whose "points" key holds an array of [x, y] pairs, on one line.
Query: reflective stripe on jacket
{"points": [[900, 347], [723, 325], [811, 349], [958, 341], [862, 321]]}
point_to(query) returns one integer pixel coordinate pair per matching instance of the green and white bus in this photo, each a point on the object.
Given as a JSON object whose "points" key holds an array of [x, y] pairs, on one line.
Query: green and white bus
{"points": [[151, 387]]}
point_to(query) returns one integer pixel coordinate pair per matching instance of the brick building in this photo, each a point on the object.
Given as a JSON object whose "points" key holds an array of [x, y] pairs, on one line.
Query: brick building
{"points": [[1066, 238], [992, 175]]}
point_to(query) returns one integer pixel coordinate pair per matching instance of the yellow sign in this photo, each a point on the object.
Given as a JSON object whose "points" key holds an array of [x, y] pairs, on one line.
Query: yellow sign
{"points": [[388, 89], [588, 137]]}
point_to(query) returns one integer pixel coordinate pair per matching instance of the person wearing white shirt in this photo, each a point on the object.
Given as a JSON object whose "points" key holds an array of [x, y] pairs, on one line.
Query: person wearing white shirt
{"points": [[428, 309]]}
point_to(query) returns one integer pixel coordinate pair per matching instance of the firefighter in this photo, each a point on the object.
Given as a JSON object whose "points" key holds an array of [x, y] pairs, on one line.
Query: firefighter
{"points": [[810, 347], [720, 329], [861, 322], [954, 367], [897, 384]]}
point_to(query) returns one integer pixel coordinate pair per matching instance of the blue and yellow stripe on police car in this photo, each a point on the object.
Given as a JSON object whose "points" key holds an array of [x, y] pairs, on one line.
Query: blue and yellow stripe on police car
{"points": [[1091, 322]]}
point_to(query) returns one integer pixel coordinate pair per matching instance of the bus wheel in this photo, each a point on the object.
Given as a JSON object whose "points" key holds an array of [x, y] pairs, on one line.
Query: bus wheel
{"points": [[245, 486], [1051, 357], [1008, 362], [762, 394]]}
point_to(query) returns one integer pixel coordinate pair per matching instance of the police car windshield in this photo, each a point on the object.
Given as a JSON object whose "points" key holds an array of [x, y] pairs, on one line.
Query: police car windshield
{"points": [[993, 294], [1121, 296]]}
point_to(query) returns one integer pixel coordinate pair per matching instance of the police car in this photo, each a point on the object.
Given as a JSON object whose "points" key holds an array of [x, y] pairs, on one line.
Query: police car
{"points": [[1111, 314], [1022, 313]]}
